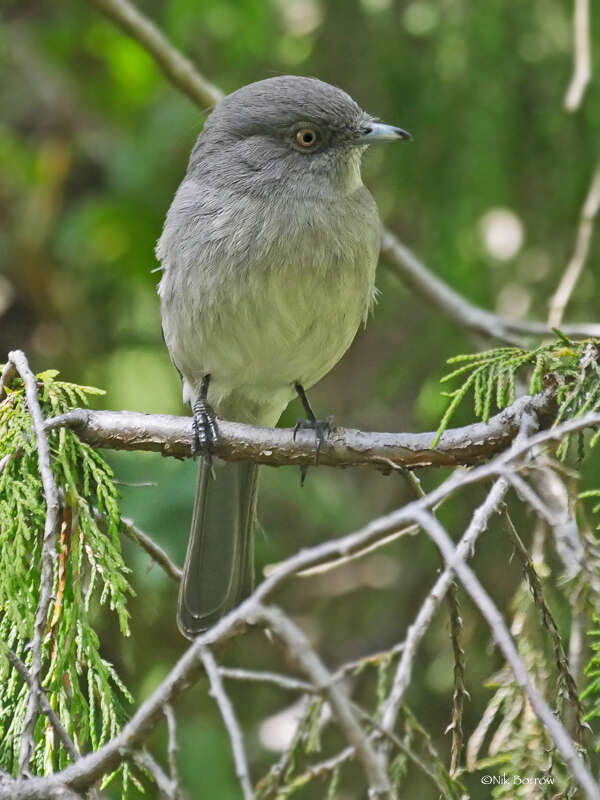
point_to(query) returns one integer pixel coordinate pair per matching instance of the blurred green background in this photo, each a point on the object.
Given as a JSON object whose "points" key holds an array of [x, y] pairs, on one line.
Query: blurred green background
{"points": [[93, 143]]}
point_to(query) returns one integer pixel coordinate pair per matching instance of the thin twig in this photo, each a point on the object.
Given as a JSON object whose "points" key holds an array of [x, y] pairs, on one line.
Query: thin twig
{"points": [[48, 555], [583, 240], [154, 550], [259, 676], [582, 56], [217, 690], [173, 746], [501, 634], [166, 786]]}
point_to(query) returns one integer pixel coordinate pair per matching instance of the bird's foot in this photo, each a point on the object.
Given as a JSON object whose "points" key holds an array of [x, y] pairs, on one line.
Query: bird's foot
{"points": [[321, 427], [205, 435]]}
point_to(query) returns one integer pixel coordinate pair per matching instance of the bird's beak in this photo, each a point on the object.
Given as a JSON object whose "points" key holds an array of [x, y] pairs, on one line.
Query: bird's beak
{"points": [[379, 132]]}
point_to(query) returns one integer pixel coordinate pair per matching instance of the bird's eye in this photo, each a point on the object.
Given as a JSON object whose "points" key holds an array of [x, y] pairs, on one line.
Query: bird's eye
{"points": [[306, 138]]}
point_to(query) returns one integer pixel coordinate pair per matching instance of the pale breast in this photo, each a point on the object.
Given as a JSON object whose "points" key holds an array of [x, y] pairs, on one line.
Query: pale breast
{"points": [[285, 312]]}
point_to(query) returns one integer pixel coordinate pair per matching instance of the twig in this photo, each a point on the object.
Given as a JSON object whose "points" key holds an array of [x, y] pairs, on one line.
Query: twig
{"points": [[176, 67], [582, 57], [583, 241], [256, 676], [501, 634], [172, 436], [48, 555], [233, 729], [166, 787], [173, 746], [154, 550], [299, 647]]}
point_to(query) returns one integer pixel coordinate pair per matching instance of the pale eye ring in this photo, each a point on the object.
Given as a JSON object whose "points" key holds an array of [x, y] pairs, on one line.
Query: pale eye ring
{"points": [[306, 137]]}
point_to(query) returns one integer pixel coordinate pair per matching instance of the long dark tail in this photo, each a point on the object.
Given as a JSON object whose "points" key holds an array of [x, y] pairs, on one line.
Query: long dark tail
{"points": [[219, 565]]}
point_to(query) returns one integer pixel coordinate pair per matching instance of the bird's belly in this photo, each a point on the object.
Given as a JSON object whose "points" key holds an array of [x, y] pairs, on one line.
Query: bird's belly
{"points": [[285, 331], [262, 335]]}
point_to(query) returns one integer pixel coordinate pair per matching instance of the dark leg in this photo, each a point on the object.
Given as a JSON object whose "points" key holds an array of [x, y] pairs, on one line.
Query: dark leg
{"points": [[204, 426], [320, 427]]}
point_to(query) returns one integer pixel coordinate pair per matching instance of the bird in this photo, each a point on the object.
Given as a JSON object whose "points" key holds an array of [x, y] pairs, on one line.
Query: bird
{"points": [[268, 256]]}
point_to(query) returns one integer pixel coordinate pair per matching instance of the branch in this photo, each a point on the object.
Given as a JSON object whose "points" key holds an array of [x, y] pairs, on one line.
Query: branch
{"points": [[175, 66], [48, 554], [172, 436], [582, 57], [583, 240], [217, 690], [453, 305]]}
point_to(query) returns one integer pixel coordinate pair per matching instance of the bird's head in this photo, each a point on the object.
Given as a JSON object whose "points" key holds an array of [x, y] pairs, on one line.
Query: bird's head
{"points": [[293, 130]]}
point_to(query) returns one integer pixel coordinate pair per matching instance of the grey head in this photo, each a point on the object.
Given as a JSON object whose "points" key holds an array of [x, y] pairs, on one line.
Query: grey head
{"points": [[282, 130]]}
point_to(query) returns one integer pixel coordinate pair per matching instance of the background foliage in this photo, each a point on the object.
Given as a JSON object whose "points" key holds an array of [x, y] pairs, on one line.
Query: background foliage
{"points": [[93, 143]]}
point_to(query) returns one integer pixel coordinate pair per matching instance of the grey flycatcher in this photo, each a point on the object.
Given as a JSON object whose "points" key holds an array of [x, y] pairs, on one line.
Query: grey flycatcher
{"points": [[268, 253]]}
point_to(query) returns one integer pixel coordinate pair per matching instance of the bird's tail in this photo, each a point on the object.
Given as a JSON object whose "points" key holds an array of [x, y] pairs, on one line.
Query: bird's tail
{"points": [[219, 565]]}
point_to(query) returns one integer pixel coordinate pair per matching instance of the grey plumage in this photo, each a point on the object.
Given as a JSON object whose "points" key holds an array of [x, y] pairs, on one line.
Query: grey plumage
{"points": [[269, 253]]}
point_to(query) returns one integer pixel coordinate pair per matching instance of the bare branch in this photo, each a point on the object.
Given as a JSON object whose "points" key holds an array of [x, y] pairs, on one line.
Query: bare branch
{"points": [[553, 725], [172, 436], [175, 66], [217, 690], [48, 554], [299, 647], [154, 550], [583, 240], [413, 272], [582, 56]]}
